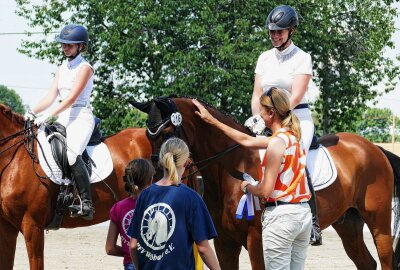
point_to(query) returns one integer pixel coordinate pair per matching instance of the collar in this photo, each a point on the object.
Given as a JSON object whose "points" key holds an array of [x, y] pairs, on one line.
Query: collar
{"points": [[286, 53], [75, 62]]}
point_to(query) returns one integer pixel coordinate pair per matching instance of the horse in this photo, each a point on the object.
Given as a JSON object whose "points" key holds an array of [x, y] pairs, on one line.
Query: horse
{"points": [[362, 193], [27, 200]]}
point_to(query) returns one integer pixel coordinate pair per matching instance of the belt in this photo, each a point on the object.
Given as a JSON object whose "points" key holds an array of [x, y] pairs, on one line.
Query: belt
{"points": [[81, 104], [78, 104], [276, 203], [301, 106]]}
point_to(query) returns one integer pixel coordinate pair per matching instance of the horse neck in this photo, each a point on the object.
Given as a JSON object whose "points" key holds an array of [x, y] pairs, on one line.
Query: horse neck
{"points": [[212, 141], [10, 122]]}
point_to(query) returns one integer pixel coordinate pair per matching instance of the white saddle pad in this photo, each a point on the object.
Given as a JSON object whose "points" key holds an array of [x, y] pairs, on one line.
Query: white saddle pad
{"points": [[98, 153], [320, 165], [322, 169]]}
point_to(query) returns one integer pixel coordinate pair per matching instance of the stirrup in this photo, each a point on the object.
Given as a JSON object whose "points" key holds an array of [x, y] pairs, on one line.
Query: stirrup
{"points": [[78, 211]]}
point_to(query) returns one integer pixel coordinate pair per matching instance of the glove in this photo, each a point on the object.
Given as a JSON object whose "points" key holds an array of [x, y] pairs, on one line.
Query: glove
{"points": [[29, 116], [42, 119], [255, 124]]}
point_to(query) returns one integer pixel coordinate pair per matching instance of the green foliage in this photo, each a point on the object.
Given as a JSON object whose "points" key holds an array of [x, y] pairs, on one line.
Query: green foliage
{"points": [[209, 48], [347, 39], [10, 98], [376, 125]]}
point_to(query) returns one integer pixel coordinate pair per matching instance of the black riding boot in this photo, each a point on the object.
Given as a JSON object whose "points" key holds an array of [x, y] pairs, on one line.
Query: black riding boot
{"points": [[81, 177], [316, 235]]}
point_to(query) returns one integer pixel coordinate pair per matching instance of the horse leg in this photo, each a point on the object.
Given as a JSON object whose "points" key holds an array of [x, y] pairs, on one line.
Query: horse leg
{"points": [[34, 241], [227, 252], [8, 242], [350, 230], [379, 224]]}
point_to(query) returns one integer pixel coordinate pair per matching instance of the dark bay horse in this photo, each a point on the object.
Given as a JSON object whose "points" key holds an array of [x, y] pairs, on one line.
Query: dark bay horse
{"points": [[362, 193], [27, 202]]}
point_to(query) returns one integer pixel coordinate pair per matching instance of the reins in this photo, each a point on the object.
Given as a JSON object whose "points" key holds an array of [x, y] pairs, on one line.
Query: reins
{"points": [[28, 140], [5, 140], [219, 155]]}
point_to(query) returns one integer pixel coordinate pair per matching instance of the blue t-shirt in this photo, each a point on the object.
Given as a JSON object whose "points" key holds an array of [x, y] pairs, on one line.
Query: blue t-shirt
{"points": [[166, 222]]}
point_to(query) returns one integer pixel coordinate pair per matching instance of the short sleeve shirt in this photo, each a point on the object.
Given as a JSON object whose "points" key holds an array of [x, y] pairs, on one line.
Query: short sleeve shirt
{"points": [[166, 223], [278, 69], [121, 214]]}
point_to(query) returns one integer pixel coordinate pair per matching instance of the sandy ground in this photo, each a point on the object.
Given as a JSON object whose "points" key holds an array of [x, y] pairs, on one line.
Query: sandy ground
{"points": [[83, 248]]}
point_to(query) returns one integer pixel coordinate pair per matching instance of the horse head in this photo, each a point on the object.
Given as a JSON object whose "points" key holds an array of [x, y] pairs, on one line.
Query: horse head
{"points": [[158, 228], [175, 117]]}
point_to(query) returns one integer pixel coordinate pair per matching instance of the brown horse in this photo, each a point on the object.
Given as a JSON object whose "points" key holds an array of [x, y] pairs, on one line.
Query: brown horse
{"points": [[362, 192], [27, 202]]}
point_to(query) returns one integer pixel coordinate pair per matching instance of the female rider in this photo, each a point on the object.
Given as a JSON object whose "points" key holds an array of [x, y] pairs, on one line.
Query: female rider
{"points": [[72, 87]]}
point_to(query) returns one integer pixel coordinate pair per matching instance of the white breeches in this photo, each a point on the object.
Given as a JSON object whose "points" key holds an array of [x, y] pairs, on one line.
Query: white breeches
{"points": [[306, 125], [79, 122]]}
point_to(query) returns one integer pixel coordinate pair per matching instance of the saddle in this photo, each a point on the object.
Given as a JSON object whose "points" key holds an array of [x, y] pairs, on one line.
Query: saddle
{"points": [[56, 135], [314, 143]]}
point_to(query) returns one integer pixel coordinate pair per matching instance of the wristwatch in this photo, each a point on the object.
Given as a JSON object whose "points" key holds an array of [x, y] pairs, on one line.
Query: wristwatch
{"points": [[245, 190]]}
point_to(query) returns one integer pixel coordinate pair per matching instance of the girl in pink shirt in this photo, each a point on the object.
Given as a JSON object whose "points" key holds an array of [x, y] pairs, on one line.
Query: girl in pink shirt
{"points": [[138, 176]]}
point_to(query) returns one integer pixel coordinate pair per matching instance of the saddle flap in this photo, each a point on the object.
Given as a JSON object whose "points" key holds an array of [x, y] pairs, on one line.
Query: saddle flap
{"points": [[55, 135]]}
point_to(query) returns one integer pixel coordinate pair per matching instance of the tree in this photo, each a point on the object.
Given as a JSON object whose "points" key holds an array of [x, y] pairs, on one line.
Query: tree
{"points": [[208, 49], [347, 43], [10, 98], [376, 125]]}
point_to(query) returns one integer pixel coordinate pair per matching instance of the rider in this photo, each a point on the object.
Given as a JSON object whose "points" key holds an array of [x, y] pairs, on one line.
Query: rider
{"points": [[73, 85], [288, 67]]}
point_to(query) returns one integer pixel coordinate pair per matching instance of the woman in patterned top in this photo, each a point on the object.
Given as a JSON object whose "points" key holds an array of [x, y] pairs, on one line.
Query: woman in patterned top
{"points": [[287, 216]]}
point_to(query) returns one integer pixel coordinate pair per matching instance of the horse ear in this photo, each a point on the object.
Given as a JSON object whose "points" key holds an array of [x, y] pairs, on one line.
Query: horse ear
{"points": [[142, 106]]}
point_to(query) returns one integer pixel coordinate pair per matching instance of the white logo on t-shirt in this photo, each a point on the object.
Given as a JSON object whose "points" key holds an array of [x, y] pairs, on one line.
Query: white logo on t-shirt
{"points": [[158, 224], [126, 221]]}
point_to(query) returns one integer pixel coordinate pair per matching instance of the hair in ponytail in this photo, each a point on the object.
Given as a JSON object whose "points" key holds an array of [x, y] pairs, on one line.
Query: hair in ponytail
{"points": [[138, 175], [277, 99], [174, 153]]}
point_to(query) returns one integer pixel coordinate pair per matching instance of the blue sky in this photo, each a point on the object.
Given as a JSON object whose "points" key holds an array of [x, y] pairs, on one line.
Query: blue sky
{"points": [[31, 78]]}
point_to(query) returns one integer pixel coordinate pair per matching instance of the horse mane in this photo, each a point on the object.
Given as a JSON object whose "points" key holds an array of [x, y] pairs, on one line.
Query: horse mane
{"points": [[12, 115], [224, 113]]}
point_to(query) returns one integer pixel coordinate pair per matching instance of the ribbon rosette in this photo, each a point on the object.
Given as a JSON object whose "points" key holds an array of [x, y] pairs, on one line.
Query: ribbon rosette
{"points": [[247, 202]]}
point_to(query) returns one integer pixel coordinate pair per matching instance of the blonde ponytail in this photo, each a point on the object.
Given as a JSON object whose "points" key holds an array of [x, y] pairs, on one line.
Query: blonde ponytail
{"points": [[174, 153], [292, 122]]}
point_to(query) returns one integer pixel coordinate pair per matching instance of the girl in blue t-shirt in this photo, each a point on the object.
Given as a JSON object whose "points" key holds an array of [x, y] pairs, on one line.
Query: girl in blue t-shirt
{"points": [[170, 217]]}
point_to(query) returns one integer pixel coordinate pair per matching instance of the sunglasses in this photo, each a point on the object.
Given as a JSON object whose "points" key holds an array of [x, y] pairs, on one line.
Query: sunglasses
{"points": [[269, 94]]}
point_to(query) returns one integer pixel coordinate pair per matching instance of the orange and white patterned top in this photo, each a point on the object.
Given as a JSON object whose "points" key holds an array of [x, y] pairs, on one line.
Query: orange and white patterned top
{"points": [[291, 184]]}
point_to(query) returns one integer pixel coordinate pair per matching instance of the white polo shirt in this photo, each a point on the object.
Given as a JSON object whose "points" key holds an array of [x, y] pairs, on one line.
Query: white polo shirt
{"points": [[67, 77], [278, 68]]}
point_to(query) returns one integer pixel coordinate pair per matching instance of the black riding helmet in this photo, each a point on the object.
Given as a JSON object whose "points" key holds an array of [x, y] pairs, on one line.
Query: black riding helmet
{"points": [[282, 17], [73, 34]]}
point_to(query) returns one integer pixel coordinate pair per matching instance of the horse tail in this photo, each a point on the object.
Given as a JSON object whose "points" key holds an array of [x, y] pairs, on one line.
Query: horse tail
{"points": [[395, 163]]}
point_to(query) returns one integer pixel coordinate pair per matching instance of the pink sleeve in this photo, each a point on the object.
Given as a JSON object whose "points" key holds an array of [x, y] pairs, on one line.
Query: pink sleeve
{"points": [[113, 214]]}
